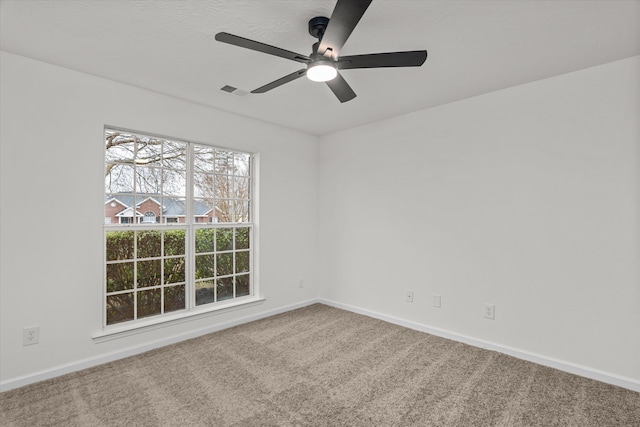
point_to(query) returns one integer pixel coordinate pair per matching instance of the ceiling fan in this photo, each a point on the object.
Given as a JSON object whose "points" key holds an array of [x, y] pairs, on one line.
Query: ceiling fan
{"points": [[324, 61]]}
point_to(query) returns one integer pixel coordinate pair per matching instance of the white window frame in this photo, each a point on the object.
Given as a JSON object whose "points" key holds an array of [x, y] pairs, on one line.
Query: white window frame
{"points": [[190, 226]]}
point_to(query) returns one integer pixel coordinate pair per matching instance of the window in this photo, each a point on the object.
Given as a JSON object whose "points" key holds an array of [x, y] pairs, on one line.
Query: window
{"points": [[126, 220], [149, 217], [178, 226]]}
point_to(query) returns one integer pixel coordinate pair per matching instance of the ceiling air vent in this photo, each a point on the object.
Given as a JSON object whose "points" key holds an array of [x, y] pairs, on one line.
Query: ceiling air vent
{"points": [[234, 90]]}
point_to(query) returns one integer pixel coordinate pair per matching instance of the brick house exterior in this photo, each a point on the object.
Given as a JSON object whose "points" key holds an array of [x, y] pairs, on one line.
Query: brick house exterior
{"points": [[148, 209]]}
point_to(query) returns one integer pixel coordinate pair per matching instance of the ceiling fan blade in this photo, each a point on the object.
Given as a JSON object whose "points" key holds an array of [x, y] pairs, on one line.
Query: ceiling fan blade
{"points": [[378, 60], [344, 18], [281, 81], [341, 88], [261, 47]]}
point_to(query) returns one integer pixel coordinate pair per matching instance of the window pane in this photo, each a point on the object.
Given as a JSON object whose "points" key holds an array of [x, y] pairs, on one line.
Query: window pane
{"points": [[242, 285], [149, 243], [148, 303], [119, 276], [148, 208], [204, 292], [205, 240], [204, 158], [203, 185], [119, 146], [119, 308], [119, 245], [242, 262], [224, 239], [174, 298], [124, 209], [224, 290], [224, 210], [241, 210], [241, 188], [174, 183], [149, 273], [118, 178], [224, 162], [173, 270], [241, 164], [148, 180], [242, 238], [174, 208], [149, 150], [113, 206], [224, 264], [205, 266], [223, 187], [174, 242], [174, 155], [203, 210]]}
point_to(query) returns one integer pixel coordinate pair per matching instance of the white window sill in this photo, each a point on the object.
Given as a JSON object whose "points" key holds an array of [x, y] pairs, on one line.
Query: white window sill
{"points": [[136, 327]]}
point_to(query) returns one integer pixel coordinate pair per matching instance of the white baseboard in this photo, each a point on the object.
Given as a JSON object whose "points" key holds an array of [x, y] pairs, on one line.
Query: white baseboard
{"points": [[572, 368], [131, 351], [561, 365]]}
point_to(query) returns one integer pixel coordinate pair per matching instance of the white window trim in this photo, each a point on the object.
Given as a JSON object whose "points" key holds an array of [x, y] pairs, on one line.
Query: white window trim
{"points": [[191, 310], [126, 329]]}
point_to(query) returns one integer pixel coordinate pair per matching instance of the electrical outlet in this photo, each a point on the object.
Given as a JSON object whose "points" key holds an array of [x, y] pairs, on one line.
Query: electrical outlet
{"points": [[408, 296], [489, 311], [300, 283], [437, 300], [31, 335]]}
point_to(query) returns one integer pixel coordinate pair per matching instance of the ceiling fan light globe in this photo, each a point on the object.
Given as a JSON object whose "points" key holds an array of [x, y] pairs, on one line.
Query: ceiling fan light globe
{"points": [[321, 71]]}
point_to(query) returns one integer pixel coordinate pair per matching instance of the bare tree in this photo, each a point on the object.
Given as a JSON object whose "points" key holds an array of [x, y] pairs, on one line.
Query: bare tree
{"points": [[138, 164]]}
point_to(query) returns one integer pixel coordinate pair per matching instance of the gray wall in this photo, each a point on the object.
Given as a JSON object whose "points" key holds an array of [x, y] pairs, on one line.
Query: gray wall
{"points": [[51, 208], [526, 198]]}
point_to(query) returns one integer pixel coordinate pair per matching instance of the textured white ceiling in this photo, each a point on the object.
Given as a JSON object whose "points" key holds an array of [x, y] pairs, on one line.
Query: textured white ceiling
{"points": [[474, 47]]}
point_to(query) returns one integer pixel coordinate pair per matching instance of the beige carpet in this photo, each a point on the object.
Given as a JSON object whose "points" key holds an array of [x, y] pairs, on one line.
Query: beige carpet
{"points": [[320, 366]]}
